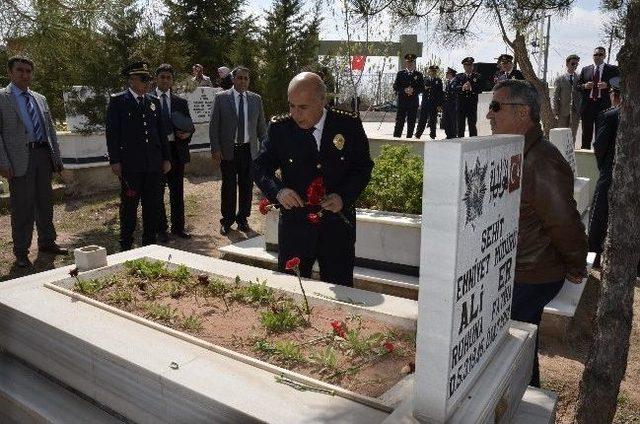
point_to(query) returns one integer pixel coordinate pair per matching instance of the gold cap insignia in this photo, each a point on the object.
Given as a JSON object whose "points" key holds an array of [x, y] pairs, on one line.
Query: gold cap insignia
{"points": [[152, 106], [338, 141]]}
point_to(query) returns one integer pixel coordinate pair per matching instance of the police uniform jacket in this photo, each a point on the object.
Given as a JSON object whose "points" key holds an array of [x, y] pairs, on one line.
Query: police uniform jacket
{"points": [[343, 161], [432, 93], [406, 79], [468, 97], [450, 93], [136, 137], [515, 74]]}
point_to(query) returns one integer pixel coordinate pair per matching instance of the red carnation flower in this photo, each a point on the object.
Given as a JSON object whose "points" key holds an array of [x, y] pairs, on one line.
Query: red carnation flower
{"points": [[338, 328], [388, 346], [74, 272], [313, 218], [264, 206], [316, 191], [292, 263]]}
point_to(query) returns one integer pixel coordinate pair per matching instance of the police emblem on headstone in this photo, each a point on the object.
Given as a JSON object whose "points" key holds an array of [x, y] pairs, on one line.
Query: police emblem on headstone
{"points": [[476, 189]]}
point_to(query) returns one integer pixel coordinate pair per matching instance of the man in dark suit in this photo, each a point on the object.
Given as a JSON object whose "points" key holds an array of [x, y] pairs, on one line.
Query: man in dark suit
{"points": [[29, 154], [604, 148], [432, 97], [408, 84], [506, 70], [594, 83], [308, 143], [236, 130], [178, 150], [567, 97], [138, 153], [468, 85]]}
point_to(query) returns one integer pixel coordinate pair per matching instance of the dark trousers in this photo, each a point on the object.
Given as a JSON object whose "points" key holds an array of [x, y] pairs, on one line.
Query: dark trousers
{"points": [[588, 116], [237, 186], [468, 113], [428, 113], [527, 305], [31, 200], [137, 187], [332, 243], [175, 180], [449, 121], [405, 113]]}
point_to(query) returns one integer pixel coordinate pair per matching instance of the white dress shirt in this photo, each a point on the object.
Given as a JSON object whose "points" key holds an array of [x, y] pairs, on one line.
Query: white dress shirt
{"points": [[159, 93], [317, 133], [236, 96]]}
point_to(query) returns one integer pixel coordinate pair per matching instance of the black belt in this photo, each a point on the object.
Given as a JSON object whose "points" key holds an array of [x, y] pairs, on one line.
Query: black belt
{"points": [[36, 145], [238, 145]]}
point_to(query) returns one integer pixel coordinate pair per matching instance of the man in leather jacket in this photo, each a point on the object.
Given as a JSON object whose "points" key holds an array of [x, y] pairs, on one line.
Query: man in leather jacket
{"points": [[552, 243]]}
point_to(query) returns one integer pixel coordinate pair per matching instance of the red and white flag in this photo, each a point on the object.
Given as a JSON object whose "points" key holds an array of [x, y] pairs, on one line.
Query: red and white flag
{"points": [[357, 63]]}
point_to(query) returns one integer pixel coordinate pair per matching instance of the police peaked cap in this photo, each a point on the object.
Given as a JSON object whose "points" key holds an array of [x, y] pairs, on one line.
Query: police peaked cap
{"points": [[433, 68], [468, 60], [451, 71], [505, 58], [136, 68]]}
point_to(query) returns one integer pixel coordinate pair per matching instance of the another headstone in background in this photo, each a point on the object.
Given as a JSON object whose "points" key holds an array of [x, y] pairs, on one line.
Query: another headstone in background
{"points": [[200, 103]]}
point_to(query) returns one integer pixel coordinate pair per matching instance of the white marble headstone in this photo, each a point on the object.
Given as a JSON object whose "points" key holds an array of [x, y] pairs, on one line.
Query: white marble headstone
{"points": [[200, 103], [563, 140], [470, 211]]}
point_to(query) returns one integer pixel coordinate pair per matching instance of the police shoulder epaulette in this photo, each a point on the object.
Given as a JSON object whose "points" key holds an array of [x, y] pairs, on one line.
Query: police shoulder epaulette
{"points": [[118, 94], [345, 112], [281, 118]]}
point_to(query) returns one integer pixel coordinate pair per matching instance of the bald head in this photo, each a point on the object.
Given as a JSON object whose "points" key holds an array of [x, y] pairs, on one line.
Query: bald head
{"points": [[307, 98], [308, 81]]}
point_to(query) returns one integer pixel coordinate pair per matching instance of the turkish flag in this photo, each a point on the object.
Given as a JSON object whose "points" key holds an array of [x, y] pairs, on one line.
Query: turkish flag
{"points": [[357, 63]]}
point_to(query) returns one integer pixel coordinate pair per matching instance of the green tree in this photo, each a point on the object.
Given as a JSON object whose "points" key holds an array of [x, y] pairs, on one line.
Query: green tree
{"points": [[207, 26], [289, 43], [246, 48]]}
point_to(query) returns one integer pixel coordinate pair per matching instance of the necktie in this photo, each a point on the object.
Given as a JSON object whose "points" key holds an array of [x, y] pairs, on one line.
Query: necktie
{"points": [[140, 103], [596, 80], [166, 120], [571, 80], [240, 139], [35, 119]]}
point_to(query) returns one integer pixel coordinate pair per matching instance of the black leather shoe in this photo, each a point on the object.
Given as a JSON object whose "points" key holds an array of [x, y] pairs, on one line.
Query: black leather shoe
{"points": [[244, 227], [225, 229], [54, 249], [23, 261], [163, 237], [182, 234]]}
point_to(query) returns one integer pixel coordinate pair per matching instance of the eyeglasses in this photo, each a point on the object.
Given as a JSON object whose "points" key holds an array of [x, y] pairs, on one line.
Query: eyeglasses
{"points": [[574, 64], [495, 105]]}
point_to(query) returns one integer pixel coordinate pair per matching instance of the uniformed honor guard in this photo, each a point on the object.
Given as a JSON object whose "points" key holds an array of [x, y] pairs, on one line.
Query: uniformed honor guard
{"points": [[324, 163], [138, 152], [449, 105], [408, 84], [506, 70], [468, 85], [432, 97]]}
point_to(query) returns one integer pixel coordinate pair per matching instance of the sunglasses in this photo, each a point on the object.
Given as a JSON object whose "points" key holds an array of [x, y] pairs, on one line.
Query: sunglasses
{"points": [[495, 105], [574, 64], [598, 54]]}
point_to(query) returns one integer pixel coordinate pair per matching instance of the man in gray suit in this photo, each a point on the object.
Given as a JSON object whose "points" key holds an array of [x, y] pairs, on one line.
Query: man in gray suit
{"points": [[236, 130], [568, 97], [29, 154]]}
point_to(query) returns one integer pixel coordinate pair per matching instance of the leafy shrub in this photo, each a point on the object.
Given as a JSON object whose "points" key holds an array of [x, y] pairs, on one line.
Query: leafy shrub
{"points": [[146, 268], [396, 182], [281, 319], [89, 287]]}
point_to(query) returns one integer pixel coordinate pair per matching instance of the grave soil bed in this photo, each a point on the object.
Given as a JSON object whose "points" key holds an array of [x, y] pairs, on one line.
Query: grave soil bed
{"points": [[329, 344]]}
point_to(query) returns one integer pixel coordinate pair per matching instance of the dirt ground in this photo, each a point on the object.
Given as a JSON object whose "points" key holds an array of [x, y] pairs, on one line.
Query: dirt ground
{"points": [[94, 220]]}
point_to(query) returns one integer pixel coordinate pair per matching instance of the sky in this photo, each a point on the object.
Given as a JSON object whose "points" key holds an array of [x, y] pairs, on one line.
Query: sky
{"points": [[578, 33]]}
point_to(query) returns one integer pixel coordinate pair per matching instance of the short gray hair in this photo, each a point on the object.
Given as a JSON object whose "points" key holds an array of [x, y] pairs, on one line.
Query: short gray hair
{"points": [[522, 92]]}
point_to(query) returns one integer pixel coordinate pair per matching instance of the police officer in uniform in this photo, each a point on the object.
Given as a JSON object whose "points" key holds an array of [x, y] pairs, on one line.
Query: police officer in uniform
{"points": [[138, 152], [506, 70], [449, 105], [468, 85], [432, 97], [408, 84], [310, 142]]}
